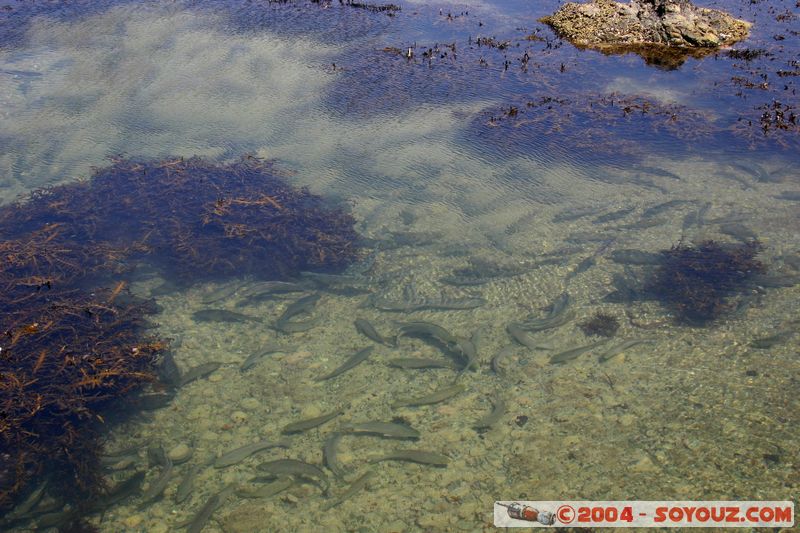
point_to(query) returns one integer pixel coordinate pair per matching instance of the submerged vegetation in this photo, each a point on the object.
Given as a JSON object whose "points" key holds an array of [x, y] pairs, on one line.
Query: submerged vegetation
{"points": [[698, 281], [71, 348], [601, 324], [67, 354], [196, 218]]}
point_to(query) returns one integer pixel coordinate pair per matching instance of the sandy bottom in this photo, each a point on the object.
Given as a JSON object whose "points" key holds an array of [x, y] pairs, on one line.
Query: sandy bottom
{"points": [[696, 414]]}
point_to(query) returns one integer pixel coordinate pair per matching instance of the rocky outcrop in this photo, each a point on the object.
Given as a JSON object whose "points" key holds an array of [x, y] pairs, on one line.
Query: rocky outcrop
{"points": [[670, 23]]}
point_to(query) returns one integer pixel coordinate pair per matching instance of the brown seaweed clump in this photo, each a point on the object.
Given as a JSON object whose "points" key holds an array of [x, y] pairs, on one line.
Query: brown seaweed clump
{"points": [[65, 355], [697, 281], [72, 348], [601, 324], [198, 219]]}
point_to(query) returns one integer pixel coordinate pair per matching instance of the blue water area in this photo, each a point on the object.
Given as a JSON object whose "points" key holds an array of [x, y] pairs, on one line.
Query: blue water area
{"points": [[466, 137]]}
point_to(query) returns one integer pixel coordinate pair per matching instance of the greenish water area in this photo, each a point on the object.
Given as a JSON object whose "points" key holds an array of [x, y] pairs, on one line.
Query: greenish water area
{"points": [[509, 187]]}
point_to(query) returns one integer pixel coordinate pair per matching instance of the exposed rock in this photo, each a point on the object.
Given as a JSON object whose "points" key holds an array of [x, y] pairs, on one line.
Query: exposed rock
{"points": [[605, 24]]}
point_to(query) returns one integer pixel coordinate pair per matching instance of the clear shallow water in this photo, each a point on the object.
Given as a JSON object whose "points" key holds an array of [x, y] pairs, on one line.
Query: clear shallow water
{"points": [[439, 173]]}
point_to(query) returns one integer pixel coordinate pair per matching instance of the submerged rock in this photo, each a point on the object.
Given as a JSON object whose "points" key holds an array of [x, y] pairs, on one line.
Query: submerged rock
{"points": [[661, 23]]}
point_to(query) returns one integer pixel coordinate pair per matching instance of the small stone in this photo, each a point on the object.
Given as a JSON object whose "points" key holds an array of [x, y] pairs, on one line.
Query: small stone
{"points": [[180, 453], [393, 527], [644, 465], [311, 411], [133, 521], [250, 404], [216, 377], [434, 521], [238, 416], [297, 356]]}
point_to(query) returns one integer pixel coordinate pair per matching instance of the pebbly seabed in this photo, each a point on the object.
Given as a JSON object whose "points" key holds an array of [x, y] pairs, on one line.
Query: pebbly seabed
{"points": [[491, 168]]}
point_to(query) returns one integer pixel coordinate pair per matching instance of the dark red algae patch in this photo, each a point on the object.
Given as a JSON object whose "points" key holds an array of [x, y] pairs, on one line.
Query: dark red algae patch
{"points": [[73, 342], [197, 218], [698, 281]]}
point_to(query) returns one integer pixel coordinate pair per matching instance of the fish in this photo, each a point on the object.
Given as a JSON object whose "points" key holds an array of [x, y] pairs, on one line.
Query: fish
{"points": [[696, 217], [294, 467], [558, 315], [305, 304], [357, 485], [627, 289], [22, 509], [655, 171], [289, 326], [203, 515], [793, 261], [614, 215], [311, 423], [559, 305], [429, 329], [792, 196], [498, 410], [354, 360], [56, 519], [469, 352], [240, 454], [120, 492], [763, 343], [255, 358], [329, 455], [157, 455], [549, 322], [20, 73], [753, 169], [617, 349], [112, 457], [643, 223], [629, 256], [438, 304], [221, 293], [775, 281], [186, 486], [222, 315], [414, 456], [439, 395], [657, 209], [573, 213], [738, 231], [157, 486], [583, 237], [197, 372], [462, 280], [274, 293], [168, 371], [572, 353], [346, 283], [365, 328], [392, 430], [581, 267], [499, 357], [153, 400], [266, 491], [264, 289], [421, 362], [524, 338]]}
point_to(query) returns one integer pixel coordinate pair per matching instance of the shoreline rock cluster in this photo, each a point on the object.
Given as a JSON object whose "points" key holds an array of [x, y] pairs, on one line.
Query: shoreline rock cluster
{"points": [[668, 23]]}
